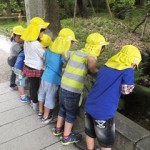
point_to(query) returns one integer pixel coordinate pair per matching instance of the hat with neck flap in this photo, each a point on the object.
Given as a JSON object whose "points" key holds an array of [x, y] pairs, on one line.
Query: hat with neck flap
{"points": [[94, 43], [46, 41], [33, 30], [124, 59], [63, 41]]}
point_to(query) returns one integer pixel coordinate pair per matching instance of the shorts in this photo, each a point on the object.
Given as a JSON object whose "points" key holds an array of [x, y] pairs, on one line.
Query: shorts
{"points": [[103, 130], [69, 105], [22, 80], [47, 93]]}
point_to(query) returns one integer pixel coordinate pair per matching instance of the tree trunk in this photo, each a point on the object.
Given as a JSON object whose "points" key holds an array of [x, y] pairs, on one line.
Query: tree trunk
{"points": [[108, 8], [82, 8], [8, 10], [142, 2], [52, 16]]}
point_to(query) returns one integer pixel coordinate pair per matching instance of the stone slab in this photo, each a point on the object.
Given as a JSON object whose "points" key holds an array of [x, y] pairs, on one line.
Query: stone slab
{"points": [[143, 144], [10, 95], [18, 128], [35, 140], [59, 146], [15, 114], [12, 104]]}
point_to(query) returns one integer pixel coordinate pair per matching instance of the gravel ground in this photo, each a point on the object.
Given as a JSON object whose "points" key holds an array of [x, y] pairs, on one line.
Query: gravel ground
{"points": [[4, 67]]}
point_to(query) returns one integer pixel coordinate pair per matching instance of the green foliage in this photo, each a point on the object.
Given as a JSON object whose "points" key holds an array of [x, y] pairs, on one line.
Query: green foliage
{"points": [[120, 7], [6, 27], [121, 105], [2, 6], [123, 3]]}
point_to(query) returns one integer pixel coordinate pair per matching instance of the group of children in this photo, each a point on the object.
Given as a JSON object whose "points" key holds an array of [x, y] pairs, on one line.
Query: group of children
{"points": [[38, 59]]}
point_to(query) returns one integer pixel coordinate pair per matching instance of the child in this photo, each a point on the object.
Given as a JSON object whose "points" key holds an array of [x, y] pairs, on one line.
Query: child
{"points": [[22, 80], [52, 74], [46, 41], [16, 47], [33, 56], [72, 84], [116, 77]]}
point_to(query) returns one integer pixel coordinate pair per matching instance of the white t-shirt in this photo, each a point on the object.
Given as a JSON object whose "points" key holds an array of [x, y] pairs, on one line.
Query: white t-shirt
{"points": [[33, 54]]}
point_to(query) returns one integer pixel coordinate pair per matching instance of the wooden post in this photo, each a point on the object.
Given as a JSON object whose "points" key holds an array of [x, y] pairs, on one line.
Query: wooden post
{"points": [[75, 9], [19, 18]]}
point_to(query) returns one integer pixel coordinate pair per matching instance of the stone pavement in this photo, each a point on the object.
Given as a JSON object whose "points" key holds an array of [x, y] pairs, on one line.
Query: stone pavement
{"points": [[20, 128]]}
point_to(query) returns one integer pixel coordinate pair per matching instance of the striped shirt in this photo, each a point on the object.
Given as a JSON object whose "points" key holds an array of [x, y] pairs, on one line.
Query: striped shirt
{"points": [[74, 75]]}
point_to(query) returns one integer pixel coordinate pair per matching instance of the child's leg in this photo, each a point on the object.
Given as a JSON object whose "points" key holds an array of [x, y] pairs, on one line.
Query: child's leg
{"points": [[90, 143], [41, 106], [67, 129], [21, 90], [60, 122], [50, 100], [34, 86], [41, 98], [90, 132], [12, 79]]}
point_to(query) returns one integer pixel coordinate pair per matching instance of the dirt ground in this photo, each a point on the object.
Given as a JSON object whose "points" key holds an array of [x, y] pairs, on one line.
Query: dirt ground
{"points": [[4, 68]]}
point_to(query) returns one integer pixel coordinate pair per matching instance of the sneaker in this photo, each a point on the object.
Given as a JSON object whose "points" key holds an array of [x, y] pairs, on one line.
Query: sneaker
{"points": [[26, 99], [57, 132], [14, 87], [47, 120], [40, 115], [73, 138]]}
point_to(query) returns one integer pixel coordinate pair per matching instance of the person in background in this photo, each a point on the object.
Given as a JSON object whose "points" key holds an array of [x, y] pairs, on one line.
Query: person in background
{"points": [[116, 77], [52, 74], [72, 84], [33, 56], [22, 79], [15, 48]]}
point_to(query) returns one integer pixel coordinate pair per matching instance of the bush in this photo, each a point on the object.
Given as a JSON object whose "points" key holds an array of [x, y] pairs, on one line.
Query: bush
{"points": [[120, 7]]}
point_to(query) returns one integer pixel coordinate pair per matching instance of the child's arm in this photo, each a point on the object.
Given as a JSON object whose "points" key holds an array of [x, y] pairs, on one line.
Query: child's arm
{"points": [[126, 89], [91, 62]]}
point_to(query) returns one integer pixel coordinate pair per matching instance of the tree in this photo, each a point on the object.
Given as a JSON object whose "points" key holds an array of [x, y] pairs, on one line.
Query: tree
{"points": [[140, 2], [8, 10], [108, 8], [82, 8], [52, 16]]}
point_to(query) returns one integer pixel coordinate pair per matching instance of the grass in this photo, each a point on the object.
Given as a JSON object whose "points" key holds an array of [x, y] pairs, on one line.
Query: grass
{"points": [[7, 26]]}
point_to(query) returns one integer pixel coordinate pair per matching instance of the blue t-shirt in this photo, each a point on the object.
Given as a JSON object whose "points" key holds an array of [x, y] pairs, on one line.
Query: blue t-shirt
{"points": [[20, 61], [102, 101], [53, 70]]}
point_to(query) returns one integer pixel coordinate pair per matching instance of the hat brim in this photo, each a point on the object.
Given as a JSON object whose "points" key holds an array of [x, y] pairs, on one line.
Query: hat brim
{"points": [[45, 25]]}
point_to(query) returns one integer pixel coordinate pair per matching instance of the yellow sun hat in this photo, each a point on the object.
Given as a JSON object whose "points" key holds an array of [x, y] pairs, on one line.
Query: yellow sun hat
{"points": [[37, 21], [33, 30], [31, 33], [18, 30], [94, 43], [46, 41], [124, 59], [63, 41]]}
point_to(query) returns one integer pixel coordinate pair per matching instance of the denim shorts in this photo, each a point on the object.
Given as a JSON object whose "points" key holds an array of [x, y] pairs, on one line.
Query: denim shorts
{"points": [[47, 94], [103, 130], [22, 80], [69, 104]]}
